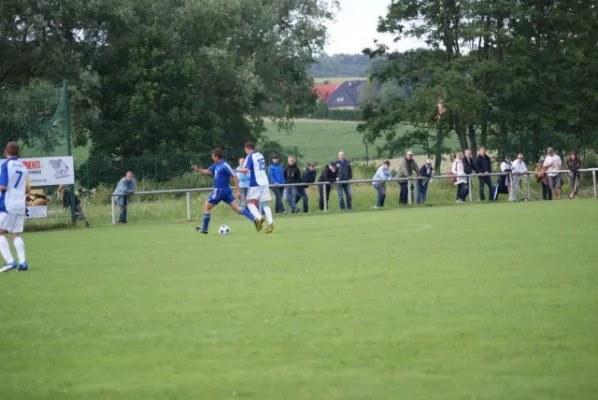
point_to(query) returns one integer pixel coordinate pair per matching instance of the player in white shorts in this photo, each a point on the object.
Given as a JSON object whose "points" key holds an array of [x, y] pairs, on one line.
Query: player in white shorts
{"points": [[259, 187], [14, 186]]}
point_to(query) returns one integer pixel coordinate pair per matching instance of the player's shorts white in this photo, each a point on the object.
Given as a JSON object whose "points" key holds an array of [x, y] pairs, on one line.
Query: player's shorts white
{"points": [[12, 223], [259, 193]]}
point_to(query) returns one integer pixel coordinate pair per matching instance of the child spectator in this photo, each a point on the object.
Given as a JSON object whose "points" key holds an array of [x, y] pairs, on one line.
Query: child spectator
{"points": [[65, 195], [574, 165], [380, 178]]}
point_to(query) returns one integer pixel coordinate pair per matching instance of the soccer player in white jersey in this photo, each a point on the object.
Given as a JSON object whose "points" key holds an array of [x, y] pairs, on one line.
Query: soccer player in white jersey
{"points": [[259, 190], [13, 188]]}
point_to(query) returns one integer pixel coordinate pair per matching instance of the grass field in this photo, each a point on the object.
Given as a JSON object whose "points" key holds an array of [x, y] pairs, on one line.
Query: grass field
{"points": [[320, 140], [471, 302]]}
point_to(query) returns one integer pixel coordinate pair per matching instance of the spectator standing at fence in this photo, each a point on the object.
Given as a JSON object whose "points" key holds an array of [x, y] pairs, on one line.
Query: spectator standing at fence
{"points": [[484, 166], [506, 180], [519, 169], [407, 166], [460, 178], [66, 198], [574, 165], [542, 177], [308, 177], [244, 181], [426, 173], [468, 167], [276, 175], [344, 172], [292, 175], [553, 164], [328, 175], [380, 177], [122, 195]]}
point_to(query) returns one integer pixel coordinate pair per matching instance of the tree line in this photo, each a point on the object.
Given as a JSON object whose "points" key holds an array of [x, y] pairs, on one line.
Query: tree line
{"points": [[508, 75], [149, 77]]}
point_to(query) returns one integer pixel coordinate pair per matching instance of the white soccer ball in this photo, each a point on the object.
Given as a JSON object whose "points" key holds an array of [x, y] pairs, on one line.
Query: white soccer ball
{"points": [[224, 230]]}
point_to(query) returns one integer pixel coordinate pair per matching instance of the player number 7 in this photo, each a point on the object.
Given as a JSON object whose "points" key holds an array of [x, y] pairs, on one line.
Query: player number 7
{"points": [[20, 173]]}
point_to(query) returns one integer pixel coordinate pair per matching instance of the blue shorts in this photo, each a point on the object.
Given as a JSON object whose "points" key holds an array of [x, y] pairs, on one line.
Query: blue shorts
{"points": [[218, 195]]}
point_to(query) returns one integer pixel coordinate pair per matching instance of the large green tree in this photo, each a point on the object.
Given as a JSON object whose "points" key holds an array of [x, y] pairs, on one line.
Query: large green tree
{"points": [[513, 75]]}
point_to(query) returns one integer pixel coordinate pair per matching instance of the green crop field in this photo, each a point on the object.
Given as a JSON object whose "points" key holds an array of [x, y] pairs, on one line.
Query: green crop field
{"points": [[487, 301], [321, 140]]}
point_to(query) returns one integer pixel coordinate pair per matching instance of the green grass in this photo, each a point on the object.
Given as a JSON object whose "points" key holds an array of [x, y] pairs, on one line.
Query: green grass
{"points": [[321, 140], [470, 302]]}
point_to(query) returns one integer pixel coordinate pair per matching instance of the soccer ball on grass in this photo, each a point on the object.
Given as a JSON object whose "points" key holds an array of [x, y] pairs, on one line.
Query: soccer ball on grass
{"points": [[224, 230]]}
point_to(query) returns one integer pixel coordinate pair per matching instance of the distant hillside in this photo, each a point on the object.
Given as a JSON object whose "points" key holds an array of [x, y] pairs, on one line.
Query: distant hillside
{"points": [[341, 65]]}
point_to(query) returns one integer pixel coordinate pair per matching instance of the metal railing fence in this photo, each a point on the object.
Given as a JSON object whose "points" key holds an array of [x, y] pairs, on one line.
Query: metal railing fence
{"points": [[409, 180]]}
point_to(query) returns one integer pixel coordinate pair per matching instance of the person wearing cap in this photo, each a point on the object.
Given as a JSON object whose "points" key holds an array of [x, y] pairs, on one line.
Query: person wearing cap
{"points": [[484, 167], [276, 175], [344, 172], [519, 169], [426, 173], [407, 166], [379, 183], [292, 175], [552, 165], [328, 175], [308, 177]]}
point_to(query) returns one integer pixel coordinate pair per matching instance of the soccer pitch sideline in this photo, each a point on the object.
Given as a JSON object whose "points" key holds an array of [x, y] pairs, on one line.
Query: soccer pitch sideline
{"points": [[476, 302]]}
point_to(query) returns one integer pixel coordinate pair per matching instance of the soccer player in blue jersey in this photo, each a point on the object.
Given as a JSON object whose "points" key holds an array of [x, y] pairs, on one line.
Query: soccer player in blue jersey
{"points": [[14, 186], [222, 173], [259, 190]]}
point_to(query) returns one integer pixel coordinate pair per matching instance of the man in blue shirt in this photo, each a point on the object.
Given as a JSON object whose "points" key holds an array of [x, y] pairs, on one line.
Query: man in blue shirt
{"points": [[244, 182], [222, 173], [122, 195], [276, 175]]}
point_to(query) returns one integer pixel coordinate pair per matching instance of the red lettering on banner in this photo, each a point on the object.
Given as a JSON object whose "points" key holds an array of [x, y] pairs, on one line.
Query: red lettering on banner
{"points": [[32, 164]]}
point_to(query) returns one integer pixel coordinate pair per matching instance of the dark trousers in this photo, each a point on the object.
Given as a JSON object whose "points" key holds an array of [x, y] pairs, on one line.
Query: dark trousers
{"points": [[546, 192], [324, 190], [462, 191], [302, 194], [278, 206], [346, 188], [381, 194], [122, 219], [487, 181], [404, 193]]}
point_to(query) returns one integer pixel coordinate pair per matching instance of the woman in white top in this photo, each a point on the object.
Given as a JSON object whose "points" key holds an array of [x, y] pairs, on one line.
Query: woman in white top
{"points": [[461, 179], [518, 167]]}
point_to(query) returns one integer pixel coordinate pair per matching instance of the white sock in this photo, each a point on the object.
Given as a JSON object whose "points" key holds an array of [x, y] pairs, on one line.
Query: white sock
{"points": [[20, 247], [268, 212], [253, 209], [5, 250]]}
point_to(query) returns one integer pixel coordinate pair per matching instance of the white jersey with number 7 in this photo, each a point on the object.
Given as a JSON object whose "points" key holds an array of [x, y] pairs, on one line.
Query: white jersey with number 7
{"points": [[13, 176], [256, 164]]}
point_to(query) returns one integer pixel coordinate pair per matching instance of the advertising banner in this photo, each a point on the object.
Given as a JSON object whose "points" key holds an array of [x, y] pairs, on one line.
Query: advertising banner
{"points": [[50, 171]]}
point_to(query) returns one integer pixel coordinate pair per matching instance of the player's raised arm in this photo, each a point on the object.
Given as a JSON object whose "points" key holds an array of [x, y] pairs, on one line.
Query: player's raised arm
{"points": [[195, 168]]}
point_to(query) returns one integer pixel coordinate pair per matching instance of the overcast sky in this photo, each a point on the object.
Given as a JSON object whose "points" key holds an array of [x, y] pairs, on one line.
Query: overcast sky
{"points": [[355, 28]]}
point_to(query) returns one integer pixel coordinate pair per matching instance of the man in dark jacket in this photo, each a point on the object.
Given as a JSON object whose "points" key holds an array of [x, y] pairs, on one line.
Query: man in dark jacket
{"points": [[468, 168], [484, 166], [343, 173], [309, 177], [292, 175], [327, 175], [276, 175]]}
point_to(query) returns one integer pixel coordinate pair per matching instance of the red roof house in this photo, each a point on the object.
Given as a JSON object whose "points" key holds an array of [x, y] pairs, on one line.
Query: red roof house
{"points": [[324, 90]]}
